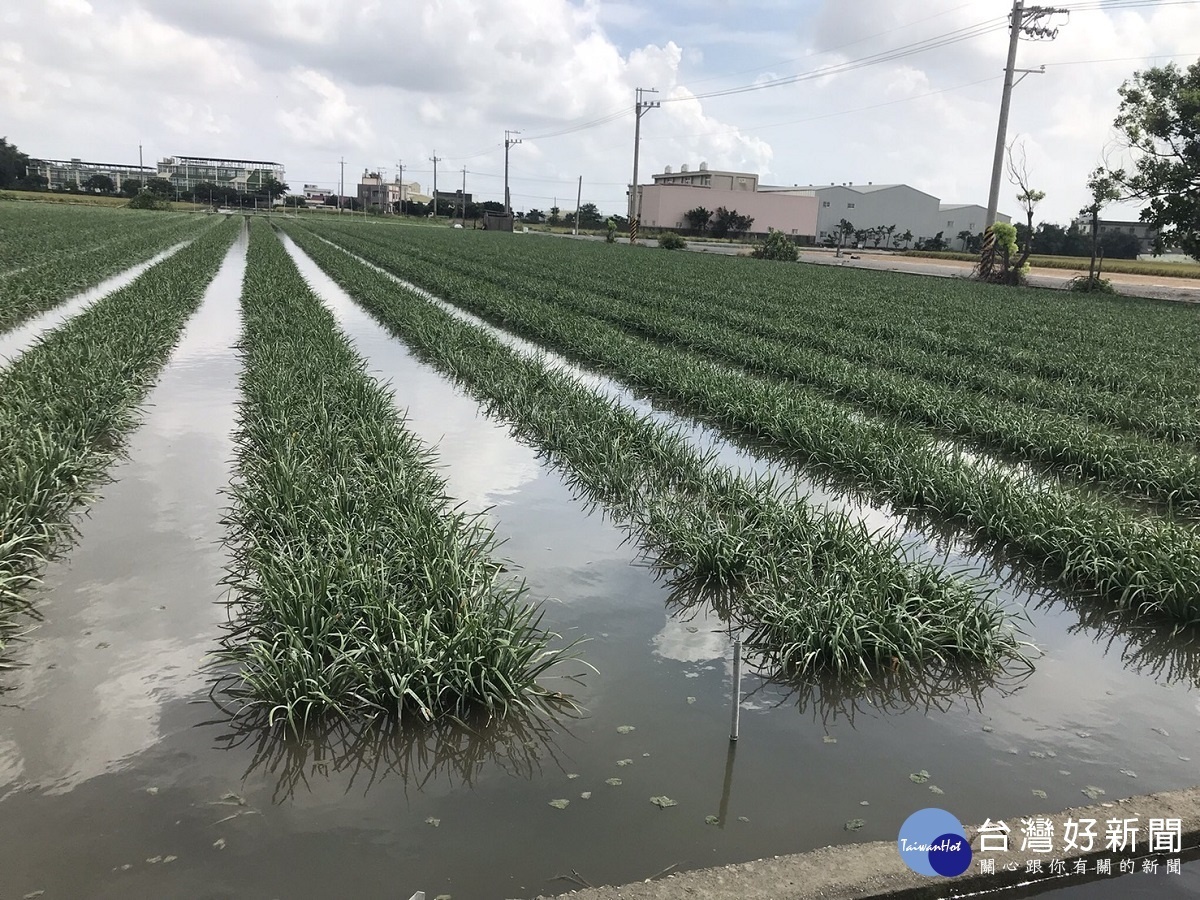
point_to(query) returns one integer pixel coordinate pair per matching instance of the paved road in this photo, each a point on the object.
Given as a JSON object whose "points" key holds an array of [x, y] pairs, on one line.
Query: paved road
{"points": [[1158, 287]]}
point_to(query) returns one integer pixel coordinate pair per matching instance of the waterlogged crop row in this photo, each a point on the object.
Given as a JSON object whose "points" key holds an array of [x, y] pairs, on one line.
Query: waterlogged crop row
{"points": [[1145, 564], [34, 232], [358, 588], [803, 327], [66, 404], [817, 589], [45, 283], [1137, 466], [1141, 350]]}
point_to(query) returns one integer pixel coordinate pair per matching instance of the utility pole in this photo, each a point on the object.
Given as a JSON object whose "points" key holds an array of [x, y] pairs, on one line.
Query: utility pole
{"points": [[1027, 21], [578, 197], [342, 187], [435, 159], [400, 179], [508, 142], [639, 107], [464, 198]]}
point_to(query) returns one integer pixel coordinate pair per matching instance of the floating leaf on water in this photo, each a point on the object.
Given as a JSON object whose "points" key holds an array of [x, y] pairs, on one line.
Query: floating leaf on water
{"points": [[693, 629], [988, 728], [863, 803], [1186, 758], [829, 739], [1092, 792], [154, 859], [854, 824], [1037, 754], [663, 802], [712, 820], [586, 795], [219, 843], [613, 781], [935, 789], [560, 804], [919, 777], [1014, 751], [1051, 754], [624, 762], [645, 755], [443, 897], [32, 895], [1064, 772], [573, 775], [1129, 772], [432, 821], [1041, 794], [170, 858], [103, 645], [1161, 731], [691, 699], [1084, 734], [151, 790], [625, 729], [743, 819]]}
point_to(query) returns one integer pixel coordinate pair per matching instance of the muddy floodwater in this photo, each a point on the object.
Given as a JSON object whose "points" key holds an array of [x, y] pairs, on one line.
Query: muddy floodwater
{"points": [[121, 777]]}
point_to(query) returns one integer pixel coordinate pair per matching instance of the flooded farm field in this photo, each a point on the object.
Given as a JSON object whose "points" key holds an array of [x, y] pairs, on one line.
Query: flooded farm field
{"points": [[124, 773]]}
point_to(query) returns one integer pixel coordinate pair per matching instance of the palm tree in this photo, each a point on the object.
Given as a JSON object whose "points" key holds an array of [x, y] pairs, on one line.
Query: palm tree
{"points": [[965, 235], [906, 237]]}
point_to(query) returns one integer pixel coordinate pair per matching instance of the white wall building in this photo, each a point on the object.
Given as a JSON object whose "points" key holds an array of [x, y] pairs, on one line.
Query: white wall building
{"points": [[972, 217], [870, 206]]}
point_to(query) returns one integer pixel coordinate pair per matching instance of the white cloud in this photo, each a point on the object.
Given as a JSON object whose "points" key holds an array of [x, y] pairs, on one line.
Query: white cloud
{"points": [[310, 81]]}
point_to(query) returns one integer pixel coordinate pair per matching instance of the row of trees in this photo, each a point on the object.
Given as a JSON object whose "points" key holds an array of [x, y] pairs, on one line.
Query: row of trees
{"points": [[722, 223]]}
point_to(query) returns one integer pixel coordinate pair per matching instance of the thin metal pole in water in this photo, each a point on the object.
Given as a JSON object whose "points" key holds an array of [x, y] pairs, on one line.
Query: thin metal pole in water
{"points": [[737, 689]]}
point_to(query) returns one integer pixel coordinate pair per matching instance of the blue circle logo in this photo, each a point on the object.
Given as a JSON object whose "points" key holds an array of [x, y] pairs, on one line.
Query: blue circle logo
{"points": [[933, 842]]}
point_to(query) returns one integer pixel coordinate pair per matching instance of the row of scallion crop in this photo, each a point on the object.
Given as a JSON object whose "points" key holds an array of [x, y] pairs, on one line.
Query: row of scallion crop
{"points": [[1147, 564], [817, 591], [1140, 466], [358, 589], [67, 403], [795, 323], [57, 272]]}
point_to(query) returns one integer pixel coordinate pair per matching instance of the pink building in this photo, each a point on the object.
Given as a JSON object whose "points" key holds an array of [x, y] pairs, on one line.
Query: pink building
{"points": [[664, 203]]}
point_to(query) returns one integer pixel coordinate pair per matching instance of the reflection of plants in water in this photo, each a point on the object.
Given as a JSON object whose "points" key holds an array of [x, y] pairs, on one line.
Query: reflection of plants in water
{"points": [[1169, 655], [933, 688], [1165, 652], [418, 754], [937, 685]]}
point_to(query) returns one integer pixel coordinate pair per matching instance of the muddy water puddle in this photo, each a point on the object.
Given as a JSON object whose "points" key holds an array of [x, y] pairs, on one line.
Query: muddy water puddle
{"points": [[120, 778]]}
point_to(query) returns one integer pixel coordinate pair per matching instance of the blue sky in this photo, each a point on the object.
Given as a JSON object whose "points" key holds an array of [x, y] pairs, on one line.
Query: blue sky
{"points": [[312, 82]]}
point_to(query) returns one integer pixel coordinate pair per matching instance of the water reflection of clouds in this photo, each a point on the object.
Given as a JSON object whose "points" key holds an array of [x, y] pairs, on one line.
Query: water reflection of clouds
{"points": [[693, 640], [125, 633]]}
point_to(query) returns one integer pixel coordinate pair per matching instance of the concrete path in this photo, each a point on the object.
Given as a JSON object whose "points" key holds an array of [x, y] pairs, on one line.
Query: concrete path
{"points": [[875, 870]]}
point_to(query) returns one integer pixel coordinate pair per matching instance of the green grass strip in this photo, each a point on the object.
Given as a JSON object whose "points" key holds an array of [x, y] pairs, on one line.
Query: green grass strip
{"points": [[359, 589], [819, 591], [1145, 564], [67, 403]]}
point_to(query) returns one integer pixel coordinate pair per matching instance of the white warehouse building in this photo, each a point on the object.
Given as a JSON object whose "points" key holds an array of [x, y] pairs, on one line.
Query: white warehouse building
{"points": [[884, 205]]}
